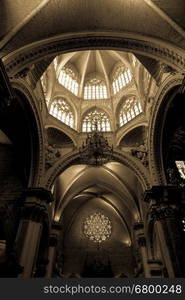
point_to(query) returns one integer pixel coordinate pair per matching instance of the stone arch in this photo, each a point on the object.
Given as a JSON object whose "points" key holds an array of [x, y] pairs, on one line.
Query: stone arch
{"points": [[136, 43], [68, 132], [74, 158], [156, 125], [31, 109], [123, 131]]}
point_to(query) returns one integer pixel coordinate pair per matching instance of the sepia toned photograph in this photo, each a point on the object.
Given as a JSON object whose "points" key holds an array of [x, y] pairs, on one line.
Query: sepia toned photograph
{"points": [[92, 139]]}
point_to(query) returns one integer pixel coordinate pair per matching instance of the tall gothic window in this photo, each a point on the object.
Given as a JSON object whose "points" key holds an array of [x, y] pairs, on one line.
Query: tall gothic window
{"points": [[95, 89], [62, 111], [121, 78], [129, 110], [69, 80], [96, 119]]}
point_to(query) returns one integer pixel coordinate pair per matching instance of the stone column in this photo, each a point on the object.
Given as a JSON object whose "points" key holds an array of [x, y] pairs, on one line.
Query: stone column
{"points": [[53, 242], [34, 216], [140, 237], [165, 213]]}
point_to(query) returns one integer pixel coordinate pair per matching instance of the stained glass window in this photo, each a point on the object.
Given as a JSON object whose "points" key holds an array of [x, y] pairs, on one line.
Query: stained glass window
{"points": [[96, 119], [95, 89], [69, 80], [62, 111], [122, 77], [129, 110], [97, 227]]}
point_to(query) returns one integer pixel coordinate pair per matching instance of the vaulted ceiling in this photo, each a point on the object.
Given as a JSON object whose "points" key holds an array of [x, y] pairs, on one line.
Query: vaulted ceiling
{"points": [[154, 19]]}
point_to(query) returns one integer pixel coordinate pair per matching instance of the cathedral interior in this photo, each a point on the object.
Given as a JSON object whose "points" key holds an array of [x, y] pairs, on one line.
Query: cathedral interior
{"points": [[92, 138]]}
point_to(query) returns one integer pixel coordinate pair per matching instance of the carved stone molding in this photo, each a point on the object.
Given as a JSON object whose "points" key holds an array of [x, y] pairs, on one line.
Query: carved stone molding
{"points": [[141, 153], [119, 156], [155, 126], [29, 55], [52, 154]]}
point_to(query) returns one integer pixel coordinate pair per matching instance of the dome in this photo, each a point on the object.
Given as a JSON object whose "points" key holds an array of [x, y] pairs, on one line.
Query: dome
{"points": [[82, 88], [94, 74]]}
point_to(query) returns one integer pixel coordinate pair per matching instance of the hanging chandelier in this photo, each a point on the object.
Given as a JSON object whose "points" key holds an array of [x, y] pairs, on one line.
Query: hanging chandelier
{"points": [[96, 150]]}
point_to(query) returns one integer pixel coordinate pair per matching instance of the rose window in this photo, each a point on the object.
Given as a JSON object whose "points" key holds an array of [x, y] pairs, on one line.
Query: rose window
{"points": [[97, 227]]}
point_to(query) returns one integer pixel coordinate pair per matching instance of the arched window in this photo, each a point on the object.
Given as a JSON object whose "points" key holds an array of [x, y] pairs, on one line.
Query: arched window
{"points": [[121, 78], [129, 110], [95, 89], [62, 111], [96, 119], [69, 80]]}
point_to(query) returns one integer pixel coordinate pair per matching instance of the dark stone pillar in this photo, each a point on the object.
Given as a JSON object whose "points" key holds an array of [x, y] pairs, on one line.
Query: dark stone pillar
{"points": [[166, 211], [140, 238], [53, 242], [34, 216]]}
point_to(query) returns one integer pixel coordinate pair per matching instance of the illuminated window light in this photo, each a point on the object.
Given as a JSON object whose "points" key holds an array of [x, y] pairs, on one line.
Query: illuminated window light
{"points": [[181, 168]]}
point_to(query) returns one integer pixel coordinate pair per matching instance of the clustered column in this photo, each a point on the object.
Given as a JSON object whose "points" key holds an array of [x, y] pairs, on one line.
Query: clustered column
{"points": [[53, 242], [166, 210], [35, 216], [141, 240]]}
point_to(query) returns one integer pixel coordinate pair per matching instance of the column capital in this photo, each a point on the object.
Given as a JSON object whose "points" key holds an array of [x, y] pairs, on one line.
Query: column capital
{"points": [[56, 226], [162, 212], [53, 240], [164, 194], [141, 241], [38, 192], [138, 226], [54, 236], [35, 211]]}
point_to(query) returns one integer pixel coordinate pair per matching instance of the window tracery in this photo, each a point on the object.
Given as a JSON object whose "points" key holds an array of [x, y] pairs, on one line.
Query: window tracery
{"points": [[122, 77], [129, 110], [97, 227], [96, 119], [62, 111], [69, 80], [95, 89]]}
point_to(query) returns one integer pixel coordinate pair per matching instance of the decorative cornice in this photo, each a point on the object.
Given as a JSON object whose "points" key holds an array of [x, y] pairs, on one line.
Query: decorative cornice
{"points": [[30, 54]]}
